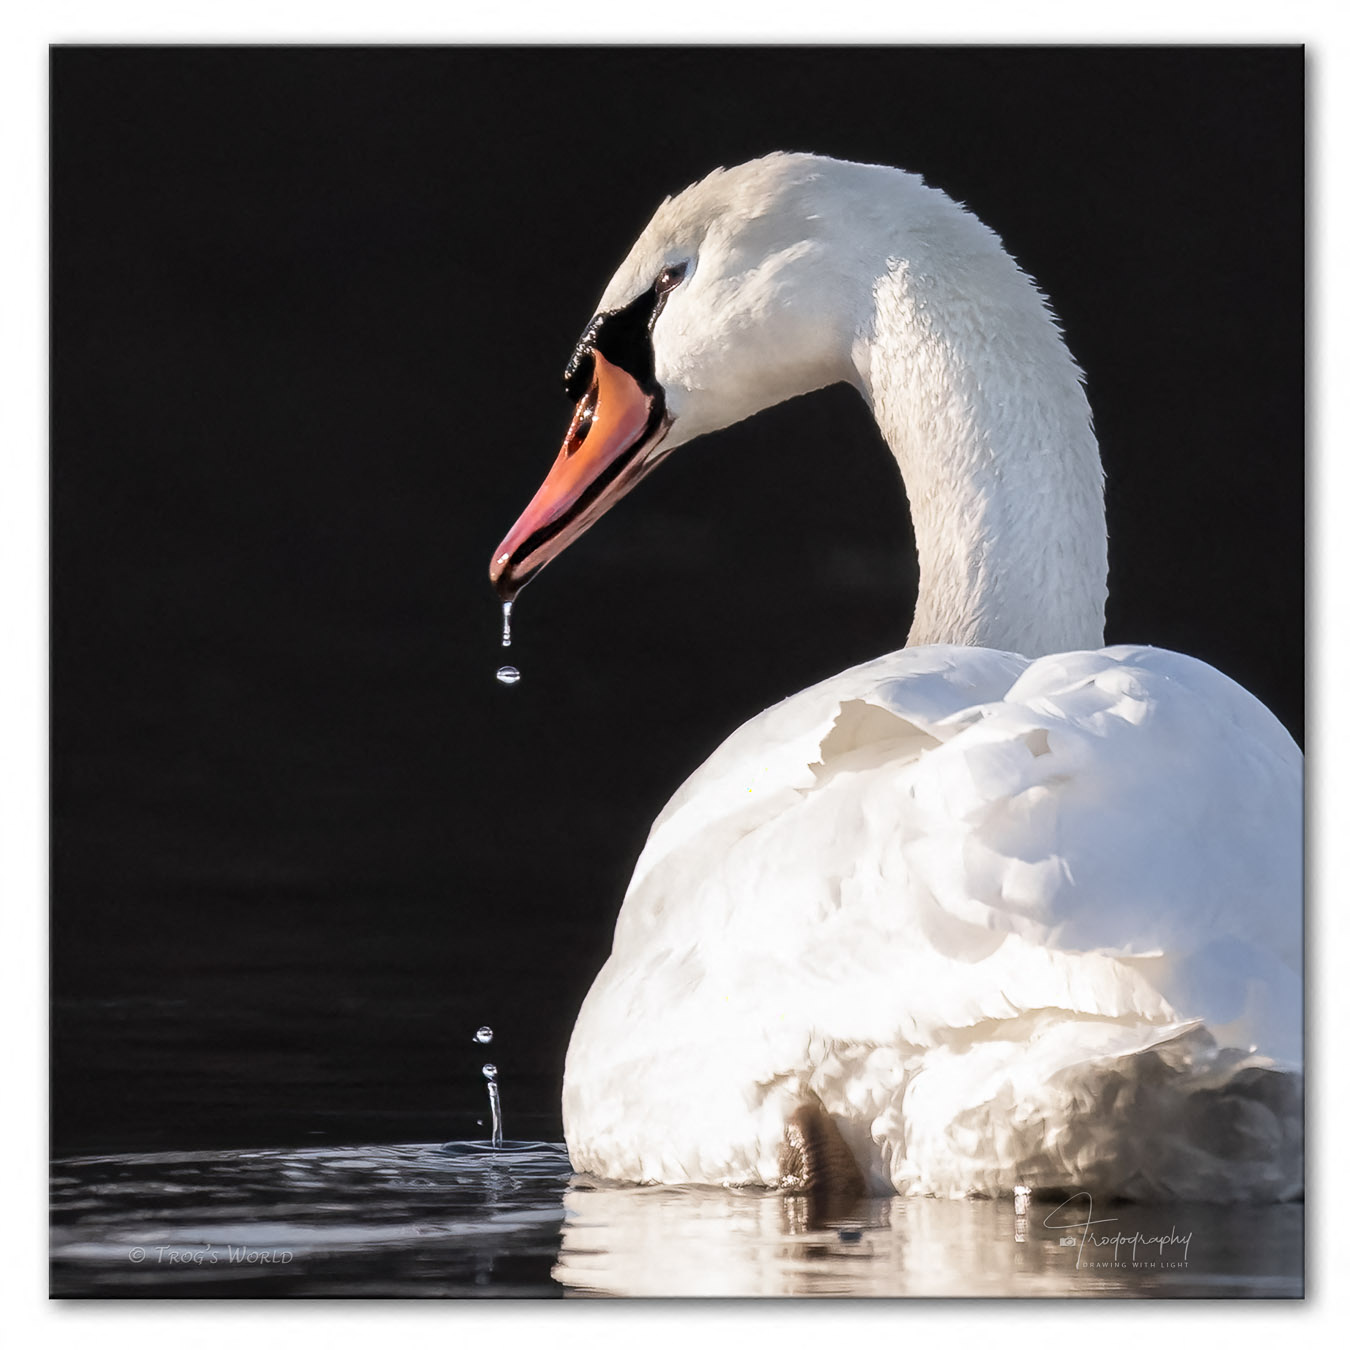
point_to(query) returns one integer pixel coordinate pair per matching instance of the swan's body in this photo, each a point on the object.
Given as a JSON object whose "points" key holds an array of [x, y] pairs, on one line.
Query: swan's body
{"points": [[1002, 919], [956, 895]]}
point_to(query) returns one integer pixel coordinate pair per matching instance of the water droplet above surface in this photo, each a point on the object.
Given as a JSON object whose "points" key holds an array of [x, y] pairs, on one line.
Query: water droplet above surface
{"points": [[483, 1035], [508, 675], [490, 1072]]}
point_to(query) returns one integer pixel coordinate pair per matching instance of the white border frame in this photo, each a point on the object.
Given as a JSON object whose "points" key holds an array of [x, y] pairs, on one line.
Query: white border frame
{"points": [[24, 43]]}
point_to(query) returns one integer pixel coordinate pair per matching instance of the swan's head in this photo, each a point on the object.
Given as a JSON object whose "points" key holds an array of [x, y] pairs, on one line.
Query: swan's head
{"points": [[741, 292]]}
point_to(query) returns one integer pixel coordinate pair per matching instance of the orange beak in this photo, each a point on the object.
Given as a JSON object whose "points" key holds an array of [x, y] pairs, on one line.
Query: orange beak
{"points": [[609, 448]]}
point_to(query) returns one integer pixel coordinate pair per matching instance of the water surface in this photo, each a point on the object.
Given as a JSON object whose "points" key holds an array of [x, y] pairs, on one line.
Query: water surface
{"points": [[426, 1220]]}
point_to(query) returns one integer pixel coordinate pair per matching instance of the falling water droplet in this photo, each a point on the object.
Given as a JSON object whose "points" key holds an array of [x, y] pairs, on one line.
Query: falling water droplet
{"points": [[490, 1072], [507, 675], [483, 1035]]}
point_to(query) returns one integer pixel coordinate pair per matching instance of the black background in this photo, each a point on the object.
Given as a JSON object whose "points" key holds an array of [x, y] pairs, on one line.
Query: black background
{"points": [[310, 313]]}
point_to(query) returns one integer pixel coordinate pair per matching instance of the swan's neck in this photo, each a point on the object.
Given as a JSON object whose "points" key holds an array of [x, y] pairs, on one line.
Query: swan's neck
{"points": [[982, 406]]}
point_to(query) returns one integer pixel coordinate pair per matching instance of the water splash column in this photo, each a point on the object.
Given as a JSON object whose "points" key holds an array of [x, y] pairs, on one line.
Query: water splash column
{"points": [[495, 1101]]}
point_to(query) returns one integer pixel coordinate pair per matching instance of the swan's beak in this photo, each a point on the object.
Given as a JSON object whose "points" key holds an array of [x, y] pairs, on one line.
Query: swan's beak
{"points": [[609, 448]]}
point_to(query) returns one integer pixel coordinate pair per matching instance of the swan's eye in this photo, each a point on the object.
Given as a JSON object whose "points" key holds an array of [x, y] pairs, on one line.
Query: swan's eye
{"points": [[670, 278], [623, 335]]}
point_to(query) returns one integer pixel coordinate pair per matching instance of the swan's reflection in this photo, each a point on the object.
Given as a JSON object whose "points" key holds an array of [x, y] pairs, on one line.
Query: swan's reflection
{"points": [[706, 1242], [703, 1241]]}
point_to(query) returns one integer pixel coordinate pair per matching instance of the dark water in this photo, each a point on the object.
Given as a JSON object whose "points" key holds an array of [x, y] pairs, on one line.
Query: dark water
{"points": [[423, 1220]]}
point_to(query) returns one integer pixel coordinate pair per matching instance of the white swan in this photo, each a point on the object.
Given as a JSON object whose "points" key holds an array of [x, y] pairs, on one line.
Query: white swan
{"points": [[965, 918]]}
